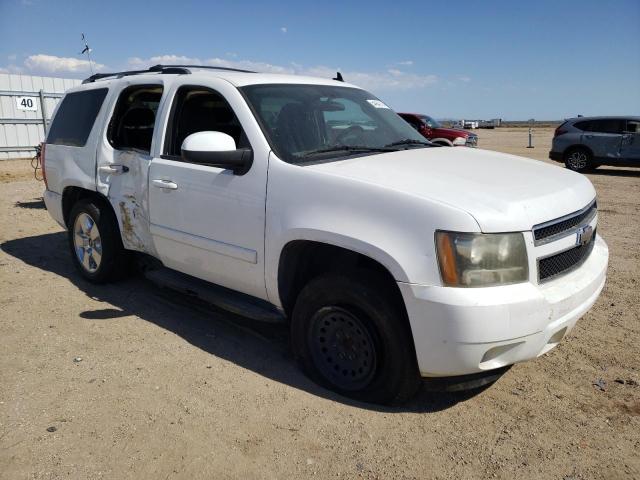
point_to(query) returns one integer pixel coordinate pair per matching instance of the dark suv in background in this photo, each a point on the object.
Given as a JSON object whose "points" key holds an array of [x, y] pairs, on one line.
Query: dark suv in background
{"points": [[584, 143]]}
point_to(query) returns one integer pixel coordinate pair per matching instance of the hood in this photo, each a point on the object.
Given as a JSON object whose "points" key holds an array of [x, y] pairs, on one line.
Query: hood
{"points": [[504, 193], [452, 132]]}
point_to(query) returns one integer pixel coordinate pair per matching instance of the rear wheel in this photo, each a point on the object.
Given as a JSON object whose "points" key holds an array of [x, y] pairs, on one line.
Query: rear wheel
{"points": [[350, 335], [578, 159], [95, 243]]}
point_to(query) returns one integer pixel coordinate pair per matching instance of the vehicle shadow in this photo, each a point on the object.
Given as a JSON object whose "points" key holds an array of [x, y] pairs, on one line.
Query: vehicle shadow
{"points": [[617, 172], [260, 347], [36, 203]]}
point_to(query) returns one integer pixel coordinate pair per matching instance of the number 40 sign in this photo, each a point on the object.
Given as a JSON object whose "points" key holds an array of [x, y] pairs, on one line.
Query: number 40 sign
{"points": [[27, 103]]}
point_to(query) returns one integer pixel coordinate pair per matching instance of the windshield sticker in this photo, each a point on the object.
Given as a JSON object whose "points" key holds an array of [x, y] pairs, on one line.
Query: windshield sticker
{"points": [[377, 103]]}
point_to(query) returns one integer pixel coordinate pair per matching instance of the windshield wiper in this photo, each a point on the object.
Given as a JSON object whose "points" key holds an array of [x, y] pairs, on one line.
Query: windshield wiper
{"points": [[408, 141], [349, 148]]}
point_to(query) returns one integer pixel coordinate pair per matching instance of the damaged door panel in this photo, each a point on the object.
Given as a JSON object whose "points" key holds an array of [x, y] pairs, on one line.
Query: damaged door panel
{"points": [[124, 160]]}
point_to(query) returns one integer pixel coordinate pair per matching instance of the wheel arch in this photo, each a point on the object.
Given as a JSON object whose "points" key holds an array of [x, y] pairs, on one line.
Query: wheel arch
{"points": [[302, 260], [442, 141], [73, 194], [576, 146]]}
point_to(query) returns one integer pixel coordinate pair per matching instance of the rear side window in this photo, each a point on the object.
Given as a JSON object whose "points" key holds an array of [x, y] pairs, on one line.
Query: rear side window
{"points": [[585, 126], [131, 127], [75, 118], [607, 126]]}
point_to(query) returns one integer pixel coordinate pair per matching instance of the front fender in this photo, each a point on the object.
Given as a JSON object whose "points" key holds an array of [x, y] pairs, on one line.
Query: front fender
{"points": [[392, 227]]}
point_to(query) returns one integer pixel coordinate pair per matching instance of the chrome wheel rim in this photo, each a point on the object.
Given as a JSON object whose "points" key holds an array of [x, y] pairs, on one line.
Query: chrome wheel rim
{"points": [[577, 160], [342, 348], [87, 242]]}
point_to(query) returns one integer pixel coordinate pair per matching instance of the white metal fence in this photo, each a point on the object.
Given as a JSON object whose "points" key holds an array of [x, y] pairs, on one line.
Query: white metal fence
{"points": [[26, 105]]}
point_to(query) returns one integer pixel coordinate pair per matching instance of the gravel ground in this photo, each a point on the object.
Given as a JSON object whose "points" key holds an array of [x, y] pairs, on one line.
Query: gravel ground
{"points": [[130, 381]]}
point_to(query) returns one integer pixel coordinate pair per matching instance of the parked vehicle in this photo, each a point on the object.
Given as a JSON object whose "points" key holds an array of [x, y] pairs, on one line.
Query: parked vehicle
{"points": [[436, 133], [310, 200], [584, 143]]}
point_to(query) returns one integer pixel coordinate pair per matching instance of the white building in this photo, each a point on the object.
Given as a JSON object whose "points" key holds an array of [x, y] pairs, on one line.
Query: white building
{"points": [[26, 105]]}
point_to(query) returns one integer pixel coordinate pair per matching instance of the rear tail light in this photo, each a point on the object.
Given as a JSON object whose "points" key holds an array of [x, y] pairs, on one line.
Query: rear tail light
{"points": [[44, 170], [559, 131]]}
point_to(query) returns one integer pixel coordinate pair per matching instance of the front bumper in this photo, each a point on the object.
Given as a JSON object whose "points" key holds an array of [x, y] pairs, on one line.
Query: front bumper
{"points": [[458, 331]]}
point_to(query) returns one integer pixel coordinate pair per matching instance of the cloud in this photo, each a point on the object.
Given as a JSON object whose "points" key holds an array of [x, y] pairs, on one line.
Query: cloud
{"points": [[406, 63], [11, 69], [391, 79], [12, 57], [283, 29], [51, 64], [464, 78]]}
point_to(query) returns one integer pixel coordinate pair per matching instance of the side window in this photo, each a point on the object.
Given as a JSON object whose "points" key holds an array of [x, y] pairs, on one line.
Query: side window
{"points": [[612, 125], [199, 109], [585, 126], [414, 122], [75, 118], [131, 127], [633, 126]]}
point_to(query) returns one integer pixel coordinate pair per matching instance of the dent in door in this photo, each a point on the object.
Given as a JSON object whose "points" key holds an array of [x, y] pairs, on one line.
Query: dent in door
{"points": [[127, 193]]}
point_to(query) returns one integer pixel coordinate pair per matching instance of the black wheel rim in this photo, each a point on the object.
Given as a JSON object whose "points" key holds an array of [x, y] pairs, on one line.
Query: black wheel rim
{"points": [[342, 348]]}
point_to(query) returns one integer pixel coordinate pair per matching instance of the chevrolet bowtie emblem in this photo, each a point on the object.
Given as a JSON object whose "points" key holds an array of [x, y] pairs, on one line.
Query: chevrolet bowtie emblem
{"points": [[584, 235]]}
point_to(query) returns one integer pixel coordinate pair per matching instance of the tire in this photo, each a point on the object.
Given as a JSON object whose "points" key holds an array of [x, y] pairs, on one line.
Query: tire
{"points": [[578, 159], [95, 243], [349, 335]]}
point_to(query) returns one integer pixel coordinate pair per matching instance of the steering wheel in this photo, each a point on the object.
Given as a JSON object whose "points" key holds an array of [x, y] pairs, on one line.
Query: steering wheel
{"points": [[351, 136]]}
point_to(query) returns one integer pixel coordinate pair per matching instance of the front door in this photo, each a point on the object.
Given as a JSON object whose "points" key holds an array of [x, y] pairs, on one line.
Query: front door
{"points": [[207, 221], [604, 138], [630, 150]]}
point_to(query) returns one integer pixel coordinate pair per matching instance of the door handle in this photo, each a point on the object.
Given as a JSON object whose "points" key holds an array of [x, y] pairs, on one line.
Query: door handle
{"points": [[166, 184], [113, 169]]}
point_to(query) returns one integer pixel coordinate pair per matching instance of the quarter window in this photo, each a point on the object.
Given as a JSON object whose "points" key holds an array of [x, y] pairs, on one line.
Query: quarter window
{"points": [[131, 127], [75, 118]]}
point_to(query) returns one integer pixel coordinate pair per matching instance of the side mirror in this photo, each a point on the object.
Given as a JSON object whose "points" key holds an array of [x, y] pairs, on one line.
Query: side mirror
{"points": [[216, 149]]}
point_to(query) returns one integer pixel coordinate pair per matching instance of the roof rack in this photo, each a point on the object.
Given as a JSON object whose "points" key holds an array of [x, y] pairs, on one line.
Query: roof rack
{"points": [[209, 67], [162, 69]]}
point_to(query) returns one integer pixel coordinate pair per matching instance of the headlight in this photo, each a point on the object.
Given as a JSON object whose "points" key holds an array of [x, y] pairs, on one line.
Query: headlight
{"points": [[481, 260], [459, 141]]}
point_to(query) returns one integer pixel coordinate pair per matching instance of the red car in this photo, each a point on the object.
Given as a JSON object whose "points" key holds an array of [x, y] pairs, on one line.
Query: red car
{"points": [[436, 133]]}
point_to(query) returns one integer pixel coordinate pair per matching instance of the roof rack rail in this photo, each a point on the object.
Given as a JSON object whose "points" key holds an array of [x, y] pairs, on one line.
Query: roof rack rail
{"points": [[162, 69], [209, 67]]}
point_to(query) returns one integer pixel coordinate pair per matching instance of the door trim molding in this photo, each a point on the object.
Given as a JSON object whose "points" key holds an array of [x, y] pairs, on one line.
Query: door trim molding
{"points": [[216, 246]]}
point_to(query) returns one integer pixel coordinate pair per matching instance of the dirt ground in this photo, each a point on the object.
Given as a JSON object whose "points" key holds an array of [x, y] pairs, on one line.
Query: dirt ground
{"points": [[130, 381]]}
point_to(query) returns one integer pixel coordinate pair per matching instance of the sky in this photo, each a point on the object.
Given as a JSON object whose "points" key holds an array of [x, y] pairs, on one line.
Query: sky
{"points": [[514, 60]]}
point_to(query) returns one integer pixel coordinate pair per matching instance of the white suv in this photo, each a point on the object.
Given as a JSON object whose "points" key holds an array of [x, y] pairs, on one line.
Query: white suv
{"points": [[392, 259]]}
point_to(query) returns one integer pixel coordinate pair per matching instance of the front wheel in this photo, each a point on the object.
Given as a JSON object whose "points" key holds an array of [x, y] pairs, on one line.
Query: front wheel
{"points": [[350, 335], [95, 243]]}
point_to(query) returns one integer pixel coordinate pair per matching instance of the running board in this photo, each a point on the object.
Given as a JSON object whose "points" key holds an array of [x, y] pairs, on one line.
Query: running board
{"points": [[221, 297]]}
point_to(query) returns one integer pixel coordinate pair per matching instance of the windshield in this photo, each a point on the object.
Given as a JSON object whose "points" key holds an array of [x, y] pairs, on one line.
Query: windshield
{"points": [[308, 122], [430, 121]]}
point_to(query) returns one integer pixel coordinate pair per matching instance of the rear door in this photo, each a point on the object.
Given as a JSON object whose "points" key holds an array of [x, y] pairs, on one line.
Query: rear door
{"points": [[630, 150], [604, 138], [206, 221], [124, 159]]}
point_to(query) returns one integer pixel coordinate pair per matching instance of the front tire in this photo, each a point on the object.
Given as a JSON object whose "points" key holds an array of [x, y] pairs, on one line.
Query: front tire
{"points": [[95, 243], [349, 334], [578, 159]]}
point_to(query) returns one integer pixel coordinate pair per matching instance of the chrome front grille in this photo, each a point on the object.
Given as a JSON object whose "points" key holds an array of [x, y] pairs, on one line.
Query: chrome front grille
{"points": [[564, 262], [564, 226]]}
